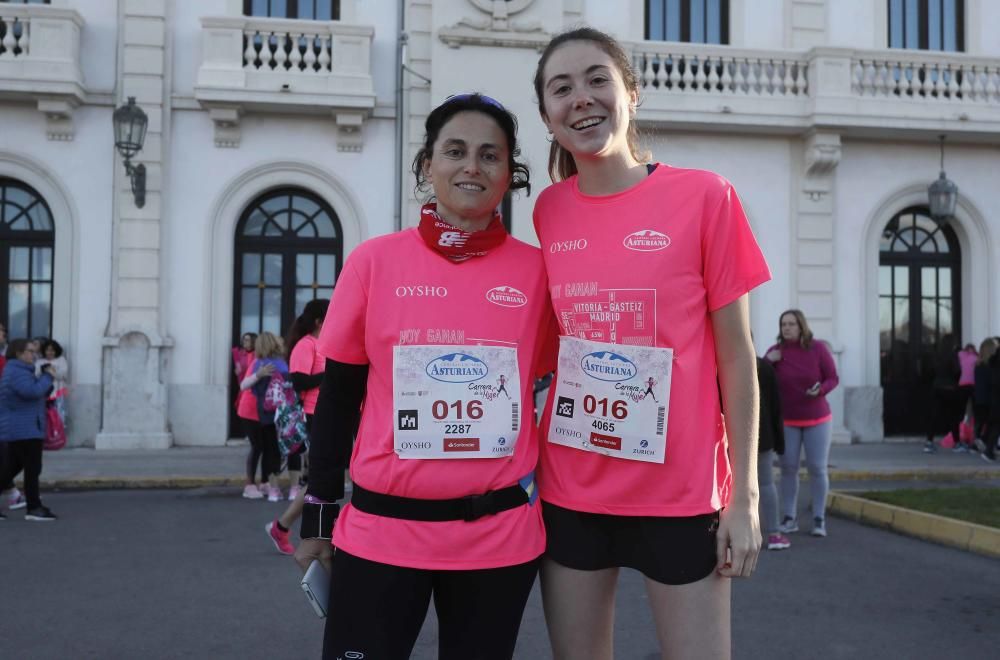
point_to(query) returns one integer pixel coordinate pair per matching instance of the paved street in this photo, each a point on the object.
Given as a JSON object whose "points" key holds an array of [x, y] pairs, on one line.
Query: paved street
{"points": [[190, 574]]}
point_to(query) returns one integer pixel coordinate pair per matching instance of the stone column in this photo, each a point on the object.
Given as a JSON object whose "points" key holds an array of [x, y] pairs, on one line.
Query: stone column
{"points": [[134, 414], [814, 252]]}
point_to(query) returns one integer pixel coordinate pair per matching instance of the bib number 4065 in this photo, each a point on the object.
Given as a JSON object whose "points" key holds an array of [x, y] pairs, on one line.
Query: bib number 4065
{"points": [[619, 408], [472, 409]]}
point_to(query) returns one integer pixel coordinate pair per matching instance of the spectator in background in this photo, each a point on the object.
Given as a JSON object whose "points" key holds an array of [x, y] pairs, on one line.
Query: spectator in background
{"points": [[53, 355], [945, 408], [806, 374], [269, 353], [992, 432], [982, 387], [22, 423], [3, 347], [771, 441], [243, 355]]}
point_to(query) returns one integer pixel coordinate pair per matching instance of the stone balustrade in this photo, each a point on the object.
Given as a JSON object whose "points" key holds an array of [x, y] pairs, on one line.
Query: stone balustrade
{"points": [[40, 61], [904, 93]]}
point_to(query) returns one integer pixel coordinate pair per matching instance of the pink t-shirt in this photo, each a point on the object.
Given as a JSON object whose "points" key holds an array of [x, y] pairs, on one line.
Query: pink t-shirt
{"points": [[305, 359], [246, 403], [394, 290], [967, 363], [646, 267]]}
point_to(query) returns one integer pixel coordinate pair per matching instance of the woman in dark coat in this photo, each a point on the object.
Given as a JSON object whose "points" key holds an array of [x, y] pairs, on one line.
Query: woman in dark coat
{"points": [[22, 423], [771, 441]]}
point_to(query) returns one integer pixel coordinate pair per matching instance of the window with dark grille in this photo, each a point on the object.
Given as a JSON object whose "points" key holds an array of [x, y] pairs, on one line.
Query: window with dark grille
{"points": [[316, 10], [27, 239], [927, 24], [694, 21]]}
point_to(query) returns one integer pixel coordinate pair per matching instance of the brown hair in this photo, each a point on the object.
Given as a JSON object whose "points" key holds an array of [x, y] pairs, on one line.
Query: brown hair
{"points": [[561, 163], [805, 334], [268, 345], [986, 350], [16, 347]]}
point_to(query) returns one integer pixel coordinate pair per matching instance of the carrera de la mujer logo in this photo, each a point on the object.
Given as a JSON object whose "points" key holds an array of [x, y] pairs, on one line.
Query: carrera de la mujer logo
{"points": [[506, 296], [646, 240], [457, 368], [605, 365]]}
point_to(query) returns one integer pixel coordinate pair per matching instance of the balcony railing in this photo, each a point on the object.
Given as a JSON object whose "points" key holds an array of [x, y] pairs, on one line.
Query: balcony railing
{"points": [[786, 91], [261, 64], [40, 53]]}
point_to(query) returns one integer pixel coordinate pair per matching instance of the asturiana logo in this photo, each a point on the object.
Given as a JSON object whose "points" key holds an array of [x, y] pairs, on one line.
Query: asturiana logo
{"points": [[457, 368], [605, 365], [646, 240], [506, 296]]}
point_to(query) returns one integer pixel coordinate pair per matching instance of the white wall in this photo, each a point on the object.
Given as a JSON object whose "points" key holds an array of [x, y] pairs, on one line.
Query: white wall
{"points": [[98, 43], [757, 23], [855, 23]]}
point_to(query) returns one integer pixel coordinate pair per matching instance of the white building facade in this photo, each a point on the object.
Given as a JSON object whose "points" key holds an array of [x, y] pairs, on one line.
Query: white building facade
{"points": [[281, 131]]}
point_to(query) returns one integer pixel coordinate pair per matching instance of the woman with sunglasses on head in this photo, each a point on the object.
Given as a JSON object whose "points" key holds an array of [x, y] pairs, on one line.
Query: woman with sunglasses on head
{"points": [[649, 268], [430, 323]]}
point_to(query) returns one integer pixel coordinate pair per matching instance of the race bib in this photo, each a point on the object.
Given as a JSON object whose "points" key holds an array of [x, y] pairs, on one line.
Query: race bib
{"points": [[456, 401], [612, 399]]}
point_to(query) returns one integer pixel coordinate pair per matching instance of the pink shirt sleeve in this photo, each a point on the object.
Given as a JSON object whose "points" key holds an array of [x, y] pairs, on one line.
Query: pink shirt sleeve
{"points": [[301, 360], [343, 335], [732, 261]]}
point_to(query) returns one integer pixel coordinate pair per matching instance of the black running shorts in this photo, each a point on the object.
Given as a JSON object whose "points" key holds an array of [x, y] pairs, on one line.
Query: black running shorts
{"points": [[668, 550]]}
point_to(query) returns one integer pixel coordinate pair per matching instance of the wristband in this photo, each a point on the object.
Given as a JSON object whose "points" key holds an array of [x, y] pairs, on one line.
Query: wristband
{"points": [[317, 520]]}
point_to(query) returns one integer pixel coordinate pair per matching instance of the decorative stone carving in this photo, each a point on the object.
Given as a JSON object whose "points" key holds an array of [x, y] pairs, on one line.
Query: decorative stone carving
{"points": [[227, 125], [58, 118], [822, 154], [349, 134], [497, 29]]}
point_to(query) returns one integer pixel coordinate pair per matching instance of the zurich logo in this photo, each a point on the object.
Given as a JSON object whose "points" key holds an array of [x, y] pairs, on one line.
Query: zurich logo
{"points": [[644, 443], [646, 240], [608, 366], [457, 368], [502, 441]]}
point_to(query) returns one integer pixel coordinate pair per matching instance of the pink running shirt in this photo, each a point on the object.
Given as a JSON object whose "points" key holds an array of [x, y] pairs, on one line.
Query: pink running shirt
{"points": [[246, 402], [395, 290], [305, 359], [646, 267]]}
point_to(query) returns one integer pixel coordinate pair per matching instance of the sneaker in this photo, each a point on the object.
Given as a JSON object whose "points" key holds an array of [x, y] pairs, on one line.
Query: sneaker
{"points": [[778, 542], [788, 525], [251, 492], [279, 538], [960, 448], [41, 513], [293, 492], [980, 445], [929, 448], [16, 500], [989, 457], [819, 527], [273, 494], [2, 517]]}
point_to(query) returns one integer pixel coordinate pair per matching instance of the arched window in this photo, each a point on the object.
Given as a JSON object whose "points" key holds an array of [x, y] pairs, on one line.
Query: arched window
{"points": [[919, 312], [27, 237], [289, 250]]}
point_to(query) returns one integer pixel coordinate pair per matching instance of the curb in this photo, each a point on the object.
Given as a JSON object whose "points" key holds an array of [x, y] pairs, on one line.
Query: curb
{"points": [[957, 474], [959, 534]]}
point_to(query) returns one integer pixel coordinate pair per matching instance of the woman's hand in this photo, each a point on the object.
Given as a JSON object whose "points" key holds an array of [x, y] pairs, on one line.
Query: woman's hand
{"points": [[737, 543], [265, 371], [773, 355], [310, 549], [814, 390]]}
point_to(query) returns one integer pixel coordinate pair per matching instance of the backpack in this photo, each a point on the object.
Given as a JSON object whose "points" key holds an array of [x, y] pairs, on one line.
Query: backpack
{"points": [[289, 419], [275, 392]]}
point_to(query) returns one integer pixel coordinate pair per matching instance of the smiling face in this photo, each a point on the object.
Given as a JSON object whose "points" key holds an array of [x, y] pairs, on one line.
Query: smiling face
{"points": [[789, 326], [50, 352], [469, 169], [587, 105], [248, 342]]}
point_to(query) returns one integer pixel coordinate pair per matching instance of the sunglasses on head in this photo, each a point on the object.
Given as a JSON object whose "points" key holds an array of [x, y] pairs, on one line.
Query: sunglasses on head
{"points": [[473, 97]]}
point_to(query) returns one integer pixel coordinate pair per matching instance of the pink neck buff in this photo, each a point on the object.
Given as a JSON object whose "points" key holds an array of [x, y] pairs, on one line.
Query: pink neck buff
{"points": [[455, 244]]}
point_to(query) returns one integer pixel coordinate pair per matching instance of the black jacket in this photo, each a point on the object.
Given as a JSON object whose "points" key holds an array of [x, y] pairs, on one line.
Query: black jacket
{"points": [[772, 428]]}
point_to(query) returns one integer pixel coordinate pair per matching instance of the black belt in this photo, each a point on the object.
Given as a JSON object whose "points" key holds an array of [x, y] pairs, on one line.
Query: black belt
{"points": [[468, 508]]}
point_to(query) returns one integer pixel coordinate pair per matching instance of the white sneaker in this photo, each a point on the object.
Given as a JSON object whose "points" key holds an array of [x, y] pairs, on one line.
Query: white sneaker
{"points": [[273, 494], [16, 500], [788, 525], [293, 492], [819, 527], [251, 492]]}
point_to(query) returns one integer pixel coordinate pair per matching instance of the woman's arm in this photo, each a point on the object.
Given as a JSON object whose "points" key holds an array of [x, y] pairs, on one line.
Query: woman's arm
{"points": [[828, 379], [739, 525], [302, 382], [30, 388]]}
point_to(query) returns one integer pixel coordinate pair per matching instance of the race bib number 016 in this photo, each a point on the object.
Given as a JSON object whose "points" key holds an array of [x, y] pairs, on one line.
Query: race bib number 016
{"points": [[612, 399], [456, 401]]}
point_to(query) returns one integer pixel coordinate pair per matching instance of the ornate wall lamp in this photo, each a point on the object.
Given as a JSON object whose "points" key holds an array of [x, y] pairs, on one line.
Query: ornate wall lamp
{"points": [[942, 195], [130, 133]]}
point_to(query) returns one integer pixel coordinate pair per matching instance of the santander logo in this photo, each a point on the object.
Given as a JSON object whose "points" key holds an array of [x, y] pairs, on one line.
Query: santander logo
{"points": [[646, 240], [506, 296]]}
